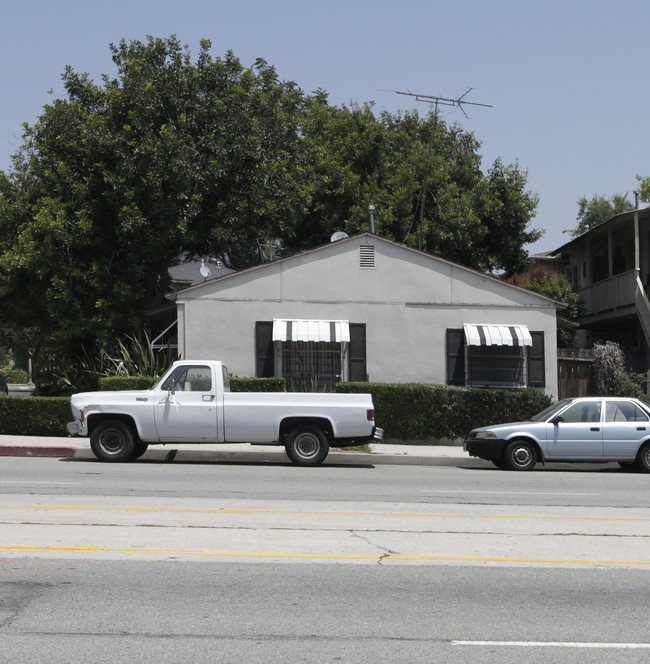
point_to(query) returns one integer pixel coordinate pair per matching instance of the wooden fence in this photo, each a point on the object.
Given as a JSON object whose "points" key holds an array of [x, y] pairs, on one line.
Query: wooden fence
{"points": [[573, 372]]}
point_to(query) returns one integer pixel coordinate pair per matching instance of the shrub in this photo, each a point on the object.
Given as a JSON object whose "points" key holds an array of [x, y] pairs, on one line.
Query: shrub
{"points": [[15, 376], [236, 384], [34, 416], [253, 384], [440, 413], [610, 377]]}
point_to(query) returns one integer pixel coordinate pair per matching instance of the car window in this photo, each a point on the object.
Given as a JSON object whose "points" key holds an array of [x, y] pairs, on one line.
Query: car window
{"points": [[583, 411], [190, 379], [547, 413], [624, 411]]}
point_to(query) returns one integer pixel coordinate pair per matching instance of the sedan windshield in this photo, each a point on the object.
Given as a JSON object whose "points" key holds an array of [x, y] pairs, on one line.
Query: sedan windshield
{"points": [[547, 413]]}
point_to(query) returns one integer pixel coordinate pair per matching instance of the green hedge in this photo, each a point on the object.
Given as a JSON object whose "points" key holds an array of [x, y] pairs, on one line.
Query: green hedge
{"points": [[236, 384], [441, 413], [257, 384], [428, 413], [34, 416], [15, 376]]}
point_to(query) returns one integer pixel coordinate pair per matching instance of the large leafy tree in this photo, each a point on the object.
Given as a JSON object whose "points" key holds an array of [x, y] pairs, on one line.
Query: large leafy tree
{"points": [[175, 155], [115, 181], [361, 158]]}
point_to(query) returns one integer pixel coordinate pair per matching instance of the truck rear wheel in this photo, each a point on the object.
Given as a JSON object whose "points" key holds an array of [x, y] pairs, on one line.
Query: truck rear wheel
{"points": [[307, 445], [113, 440]]}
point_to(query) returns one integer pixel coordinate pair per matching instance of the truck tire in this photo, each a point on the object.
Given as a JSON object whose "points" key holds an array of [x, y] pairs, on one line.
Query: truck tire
{"points": [[307, 445], [140, 449], [113, 440]]}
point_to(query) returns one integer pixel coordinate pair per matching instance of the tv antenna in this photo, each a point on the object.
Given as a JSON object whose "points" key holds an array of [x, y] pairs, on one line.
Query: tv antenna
{"points": [[436, 101]]}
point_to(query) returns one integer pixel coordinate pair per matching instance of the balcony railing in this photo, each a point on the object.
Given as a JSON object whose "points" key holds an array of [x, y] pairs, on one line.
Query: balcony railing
{"points": [[610, 294], [643, 307]]}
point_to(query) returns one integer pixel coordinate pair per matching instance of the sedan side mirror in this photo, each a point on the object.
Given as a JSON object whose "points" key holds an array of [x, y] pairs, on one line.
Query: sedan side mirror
{"points": [[557, 420]]}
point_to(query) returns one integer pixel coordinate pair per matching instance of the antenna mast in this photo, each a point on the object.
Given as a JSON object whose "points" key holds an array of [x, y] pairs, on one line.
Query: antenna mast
{"points": [[437, 101]]}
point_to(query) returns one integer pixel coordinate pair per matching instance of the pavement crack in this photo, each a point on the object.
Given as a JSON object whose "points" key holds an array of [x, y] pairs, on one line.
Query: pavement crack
{"points": [[387, 553]]}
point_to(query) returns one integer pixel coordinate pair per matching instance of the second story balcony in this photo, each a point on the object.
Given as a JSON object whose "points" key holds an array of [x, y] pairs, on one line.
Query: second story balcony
{"points": [[609, 298]]}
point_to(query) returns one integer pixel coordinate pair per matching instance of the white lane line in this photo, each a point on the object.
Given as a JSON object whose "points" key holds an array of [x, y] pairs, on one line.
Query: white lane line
{"points": [[509, 493], [556, 644], [31, 482]]}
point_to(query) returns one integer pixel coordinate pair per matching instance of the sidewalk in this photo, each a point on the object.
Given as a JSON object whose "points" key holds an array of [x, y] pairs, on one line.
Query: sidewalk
{"points": [[381, 453]]}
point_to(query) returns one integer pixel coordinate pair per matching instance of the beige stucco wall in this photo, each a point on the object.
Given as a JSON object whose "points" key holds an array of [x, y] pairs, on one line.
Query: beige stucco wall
{"points": [[407, 302]]}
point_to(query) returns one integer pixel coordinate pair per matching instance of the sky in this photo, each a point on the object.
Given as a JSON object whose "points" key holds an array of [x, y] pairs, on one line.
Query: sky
{"points": [[567, 81]]}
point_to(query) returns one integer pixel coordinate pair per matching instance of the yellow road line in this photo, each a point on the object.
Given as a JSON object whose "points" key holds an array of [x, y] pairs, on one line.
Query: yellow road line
{"points": [[324, 556], [180, 510]]}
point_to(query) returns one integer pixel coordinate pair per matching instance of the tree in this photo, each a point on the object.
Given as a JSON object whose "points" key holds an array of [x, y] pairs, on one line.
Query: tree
{"points": [[360, 158], [175, 155], [644, 188], [598, 209], [556, 286], [506, 209], [114, 182]]}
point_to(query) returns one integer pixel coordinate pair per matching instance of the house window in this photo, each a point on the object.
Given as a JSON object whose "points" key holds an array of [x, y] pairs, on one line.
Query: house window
{"points": [[311, 366], [499, 366], [311, 354], [495, 355]]}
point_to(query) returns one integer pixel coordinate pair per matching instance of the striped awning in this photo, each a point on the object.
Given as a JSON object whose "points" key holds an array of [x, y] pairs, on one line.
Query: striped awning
{"points": [[497, 335], [311, 330]]}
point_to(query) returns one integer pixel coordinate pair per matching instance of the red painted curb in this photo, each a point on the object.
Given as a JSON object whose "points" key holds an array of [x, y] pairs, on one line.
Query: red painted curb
{"points": [[7, 450]]}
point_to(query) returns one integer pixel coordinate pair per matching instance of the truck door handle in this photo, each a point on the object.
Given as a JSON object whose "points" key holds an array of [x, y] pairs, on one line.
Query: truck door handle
{"points": [[208, 397]]}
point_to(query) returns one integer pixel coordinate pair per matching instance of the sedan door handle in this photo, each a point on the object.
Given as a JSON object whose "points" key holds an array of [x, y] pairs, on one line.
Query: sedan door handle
{"points": [[640, 428], [595, 429]]}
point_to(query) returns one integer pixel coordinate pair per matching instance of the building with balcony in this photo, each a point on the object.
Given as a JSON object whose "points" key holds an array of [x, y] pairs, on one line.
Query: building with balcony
{"points": [[609, 267]]}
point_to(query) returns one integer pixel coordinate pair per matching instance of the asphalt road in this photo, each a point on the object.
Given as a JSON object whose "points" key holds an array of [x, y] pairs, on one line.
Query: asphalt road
{"points": [[269, 562]]}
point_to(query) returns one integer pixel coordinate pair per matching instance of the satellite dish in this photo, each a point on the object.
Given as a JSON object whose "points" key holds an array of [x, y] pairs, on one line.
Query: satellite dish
{"points": [[204, 270], [339, 235]]}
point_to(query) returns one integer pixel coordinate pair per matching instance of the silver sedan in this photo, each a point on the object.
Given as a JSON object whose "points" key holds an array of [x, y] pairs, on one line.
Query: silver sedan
{"points": [[590, 429]]}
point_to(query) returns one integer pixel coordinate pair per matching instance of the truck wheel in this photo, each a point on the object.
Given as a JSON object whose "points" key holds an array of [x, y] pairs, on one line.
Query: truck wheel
{"points": [[112, 441], [307, 446], [520, 455], [140, 449]]}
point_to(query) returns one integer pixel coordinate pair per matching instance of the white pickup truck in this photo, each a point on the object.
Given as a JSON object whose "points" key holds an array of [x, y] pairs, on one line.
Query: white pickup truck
{"points": [[192, 403]]}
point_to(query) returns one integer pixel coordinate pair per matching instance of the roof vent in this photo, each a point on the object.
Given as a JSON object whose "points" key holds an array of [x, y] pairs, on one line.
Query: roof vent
{"points": [[366, 256]]}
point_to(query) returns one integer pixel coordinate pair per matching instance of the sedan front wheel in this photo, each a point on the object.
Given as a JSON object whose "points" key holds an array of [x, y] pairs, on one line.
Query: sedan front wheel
{"points": [[520, 455]]}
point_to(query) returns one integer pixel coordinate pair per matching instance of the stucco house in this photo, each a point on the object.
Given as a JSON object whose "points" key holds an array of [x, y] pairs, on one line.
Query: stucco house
{"points": [[367, 308]]}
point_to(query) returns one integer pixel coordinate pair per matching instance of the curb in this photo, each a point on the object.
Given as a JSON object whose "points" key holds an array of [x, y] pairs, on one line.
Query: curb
{"points": [[26, 451], [178, 455]]}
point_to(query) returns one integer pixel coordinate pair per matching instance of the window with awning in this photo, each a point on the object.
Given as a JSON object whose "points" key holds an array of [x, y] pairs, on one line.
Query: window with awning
{"points": [[318, 331], [497, 335], [311, 354], [489, 355]]}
